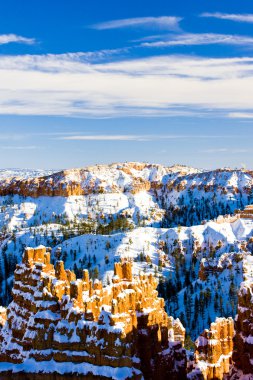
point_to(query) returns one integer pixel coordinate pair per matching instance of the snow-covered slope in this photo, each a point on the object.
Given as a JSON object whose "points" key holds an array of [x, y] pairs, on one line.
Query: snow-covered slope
{"points": [[93, 216], [144, 194], [176, 255], [24, 173], [95, 179]]}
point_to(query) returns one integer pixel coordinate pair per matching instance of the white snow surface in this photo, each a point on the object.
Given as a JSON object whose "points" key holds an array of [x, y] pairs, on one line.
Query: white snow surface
{"points": [[25, 173], [186, 192], [33, 366]]}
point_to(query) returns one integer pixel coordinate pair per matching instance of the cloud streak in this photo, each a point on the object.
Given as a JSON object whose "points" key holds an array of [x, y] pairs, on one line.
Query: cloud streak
{"points": [[163, 22], [68, 85], [190, 39], [240, 115], [20, 147], [9, 38], [230, 16], [224, 150], [121, 137], [133, 137], [104, 138]]}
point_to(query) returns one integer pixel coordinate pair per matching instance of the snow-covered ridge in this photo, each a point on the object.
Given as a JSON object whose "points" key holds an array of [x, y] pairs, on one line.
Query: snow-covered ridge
{"points": [[119, 177], [24, 173], [219, 177], [125, 176], [176, 253], [94, 215], [149, 192], [132, 176]]}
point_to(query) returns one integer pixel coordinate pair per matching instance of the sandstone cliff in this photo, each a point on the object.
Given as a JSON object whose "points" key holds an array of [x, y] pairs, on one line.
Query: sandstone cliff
{"points": [[56, 323]]}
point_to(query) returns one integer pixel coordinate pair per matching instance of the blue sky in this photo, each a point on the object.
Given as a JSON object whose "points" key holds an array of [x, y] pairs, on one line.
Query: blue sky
{"points": [[98, 82]]}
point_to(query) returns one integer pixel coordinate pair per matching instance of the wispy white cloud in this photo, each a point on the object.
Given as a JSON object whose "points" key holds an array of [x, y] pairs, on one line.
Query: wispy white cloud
{"points": [[240, 115], [163, 22], [130, 137], [120, 137], [224, 150], [69, 85], [230, 16], [104, 138], [8, 38], [188, 39], [20, 147]]}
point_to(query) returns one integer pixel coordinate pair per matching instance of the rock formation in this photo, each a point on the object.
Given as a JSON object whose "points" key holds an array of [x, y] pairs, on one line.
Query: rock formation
{"points": [[130, 177], [225, 351], [56, 323], [243, 340], [212, 266], [3, 316], [247, 213], [214, 351]]}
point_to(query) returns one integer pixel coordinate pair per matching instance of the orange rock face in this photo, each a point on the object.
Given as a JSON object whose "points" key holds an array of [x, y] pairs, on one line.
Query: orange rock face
{"points": [[213, 352], [88, 328], [3, 316], [243, 341]]}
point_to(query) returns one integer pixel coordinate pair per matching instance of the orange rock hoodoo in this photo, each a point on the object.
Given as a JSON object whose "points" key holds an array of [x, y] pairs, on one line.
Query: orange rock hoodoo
{"points": [[90, 329], [213, 351], [243, 340]]}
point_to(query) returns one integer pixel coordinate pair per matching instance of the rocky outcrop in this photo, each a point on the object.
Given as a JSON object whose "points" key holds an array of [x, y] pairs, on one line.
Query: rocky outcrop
{"points": [[224, 351], [247, 213], [3, 316], [214, 266], [213, 351], [243, 340], [81, 327]]}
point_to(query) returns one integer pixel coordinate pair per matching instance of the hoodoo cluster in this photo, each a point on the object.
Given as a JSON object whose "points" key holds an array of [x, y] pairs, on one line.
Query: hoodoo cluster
{"points": [[57, 324], [81, 327]]}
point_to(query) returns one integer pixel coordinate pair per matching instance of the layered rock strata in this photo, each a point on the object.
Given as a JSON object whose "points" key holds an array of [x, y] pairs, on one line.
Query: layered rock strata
{"points": [[59, 324]]}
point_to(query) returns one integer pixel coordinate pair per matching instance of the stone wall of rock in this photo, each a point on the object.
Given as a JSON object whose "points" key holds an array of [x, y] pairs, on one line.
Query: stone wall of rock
{"points": [[83, 327], [213, 351]]}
